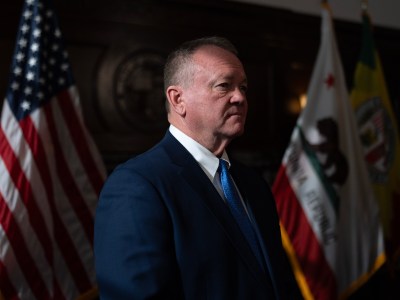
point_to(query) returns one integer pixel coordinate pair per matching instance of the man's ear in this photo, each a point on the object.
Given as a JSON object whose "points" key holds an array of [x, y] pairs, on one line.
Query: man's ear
{"points": [[174, 96]]}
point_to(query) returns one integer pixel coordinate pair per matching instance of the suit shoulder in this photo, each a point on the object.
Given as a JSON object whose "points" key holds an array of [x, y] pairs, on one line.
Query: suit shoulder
{"points": [[142, 163]]}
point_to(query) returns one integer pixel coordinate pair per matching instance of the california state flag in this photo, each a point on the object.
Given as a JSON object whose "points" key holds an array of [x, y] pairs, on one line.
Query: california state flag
{"points": [[329, 216]]}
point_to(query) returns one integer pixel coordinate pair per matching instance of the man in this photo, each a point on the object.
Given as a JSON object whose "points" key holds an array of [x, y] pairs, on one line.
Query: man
{"points": [[164, 228]]}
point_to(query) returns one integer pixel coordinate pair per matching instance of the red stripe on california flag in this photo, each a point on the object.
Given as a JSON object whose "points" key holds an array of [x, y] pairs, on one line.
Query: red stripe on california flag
{"points": [[309, 254], [61, 235], [6, 287], [74, 124], [67, 181], [21, 252]]}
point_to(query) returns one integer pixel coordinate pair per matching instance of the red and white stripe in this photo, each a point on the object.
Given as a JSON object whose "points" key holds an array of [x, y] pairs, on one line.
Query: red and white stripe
{"points": [[50, 178]]}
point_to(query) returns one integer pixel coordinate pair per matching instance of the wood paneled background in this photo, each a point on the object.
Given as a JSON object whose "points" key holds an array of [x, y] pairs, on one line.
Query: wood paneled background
{"points": [[117, 49]]}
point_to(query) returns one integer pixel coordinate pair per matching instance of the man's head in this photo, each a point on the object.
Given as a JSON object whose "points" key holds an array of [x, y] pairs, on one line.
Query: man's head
{"points": [[206, 85], [178, 67]]}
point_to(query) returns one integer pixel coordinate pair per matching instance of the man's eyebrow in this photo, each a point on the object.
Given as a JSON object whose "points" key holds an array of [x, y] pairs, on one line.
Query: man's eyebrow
{"points": [[231, 77], [227, 78]]}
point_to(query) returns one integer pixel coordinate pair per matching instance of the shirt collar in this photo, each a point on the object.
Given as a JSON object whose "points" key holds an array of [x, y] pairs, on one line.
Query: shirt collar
{"points": [[206, 159]]}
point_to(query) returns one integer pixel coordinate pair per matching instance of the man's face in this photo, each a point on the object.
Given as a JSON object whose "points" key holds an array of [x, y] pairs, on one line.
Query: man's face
{"points": [[216, 104]]}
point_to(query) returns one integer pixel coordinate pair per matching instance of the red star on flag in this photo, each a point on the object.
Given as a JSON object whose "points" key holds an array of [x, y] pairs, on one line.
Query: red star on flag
{"points": [[330, 80]]}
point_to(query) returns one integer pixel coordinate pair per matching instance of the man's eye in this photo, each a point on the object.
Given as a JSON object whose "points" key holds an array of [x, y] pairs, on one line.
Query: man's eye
{"points": [[223, 85], [243, 88]]}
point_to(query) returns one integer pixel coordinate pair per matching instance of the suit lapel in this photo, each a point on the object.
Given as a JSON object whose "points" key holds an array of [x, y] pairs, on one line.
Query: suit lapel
{"points": [[195, 177], [261, 223]]}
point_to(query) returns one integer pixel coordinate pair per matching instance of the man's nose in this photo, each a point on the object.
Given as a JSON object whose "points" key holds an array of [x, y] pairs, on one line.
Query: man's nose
{"points": [[239, 95]]}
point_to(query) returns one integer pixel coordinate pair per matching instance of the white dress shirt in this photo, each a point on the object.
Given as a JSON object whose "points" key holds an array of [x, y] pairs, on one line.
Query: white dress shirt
{"points": [[206, 159]]}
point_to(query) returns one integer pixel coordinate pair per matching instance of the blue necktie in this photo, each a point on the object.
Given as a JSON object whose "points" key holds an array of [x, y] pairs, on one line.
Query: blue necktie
{"points": [[237, 209]]}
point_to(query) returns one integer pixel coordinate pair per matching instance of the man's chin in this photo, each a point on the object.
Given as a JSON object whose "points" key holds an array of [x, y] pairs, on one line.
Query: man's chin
{"points": [[236, 132]]}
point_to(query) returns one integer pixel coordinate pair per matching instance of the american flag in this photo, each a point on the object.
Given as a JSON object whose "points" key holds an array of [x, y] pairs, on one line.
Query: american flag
{"points": [[50, 170]]}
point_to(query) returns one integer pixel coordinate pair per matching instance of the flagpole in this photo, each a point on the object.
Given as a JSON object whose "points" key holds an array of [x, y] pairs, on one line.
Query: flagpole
{"points": [[364, 11], [325, 4], [364, 6]]}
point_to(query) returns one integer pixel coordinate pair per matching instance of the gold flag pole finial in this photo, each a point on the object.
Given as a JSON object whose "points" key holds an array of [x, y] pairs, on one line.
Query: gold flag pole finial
{"points": [[364, 6]]}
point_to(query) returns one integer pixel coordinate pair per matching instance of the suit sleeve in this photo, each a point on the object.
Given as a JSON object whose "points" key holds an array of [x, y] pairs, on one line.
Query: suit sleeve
{"points": [[133, 241]]}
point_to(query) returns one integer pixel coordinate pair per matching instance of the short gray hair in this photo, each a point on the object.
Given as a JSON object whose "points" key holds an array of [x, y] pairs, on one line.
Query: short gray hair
{"points": [[177, 68]]}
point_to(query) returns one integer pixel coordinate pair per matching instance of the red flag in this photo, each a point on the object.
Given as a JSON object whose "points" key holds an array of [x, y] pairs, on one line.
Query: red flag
{"points": [[50, 170]]}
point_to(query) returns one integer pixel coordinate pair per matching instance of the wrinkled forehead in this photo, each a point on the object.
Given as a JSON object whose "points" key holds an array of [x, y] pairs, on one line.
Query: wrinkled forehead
{"points": [[218, 59], [212, 53]]}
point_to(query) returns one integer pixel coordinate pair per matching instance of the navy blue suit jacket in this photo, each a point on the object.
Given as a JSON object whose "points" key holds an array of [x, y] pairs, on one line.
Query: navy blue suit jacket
{"points": [[162, 231]]}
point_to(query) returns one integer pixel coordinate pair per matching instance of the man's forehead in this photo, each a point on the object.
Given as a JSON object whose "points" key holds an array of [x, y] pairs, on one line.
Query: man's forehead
{"points": [[210, 56]]}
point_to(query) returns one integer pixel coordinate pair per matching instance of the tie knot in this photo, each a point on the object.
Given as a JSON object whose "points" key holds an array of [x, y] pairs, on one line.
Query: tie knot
{"points": [[223, 165]]}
